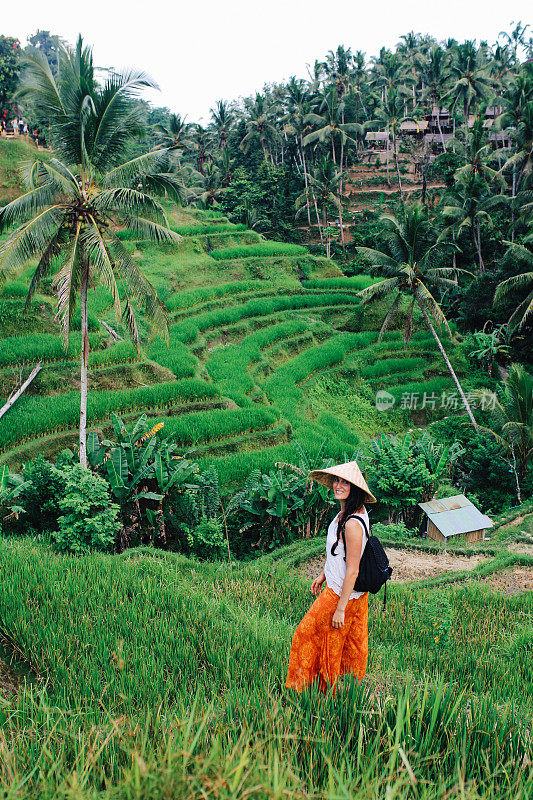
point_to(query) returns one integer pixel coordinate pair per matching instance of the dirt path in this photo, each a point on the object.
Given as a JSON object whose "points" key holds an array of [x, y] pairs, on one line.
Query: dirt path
{"points": [[511, 581], [409, 565], [8, 681]]}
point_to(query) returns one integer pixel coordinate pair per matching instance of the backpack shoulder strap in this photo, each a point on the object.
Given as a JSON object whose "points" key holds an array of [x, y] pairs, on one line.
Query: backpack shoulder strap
{"points": [[361, 519]]}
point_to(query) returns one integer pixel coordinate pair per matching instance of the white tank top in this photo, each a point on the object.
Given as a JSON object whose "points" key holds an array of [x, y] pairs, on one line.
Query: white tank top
{"points": [[335, 567]]}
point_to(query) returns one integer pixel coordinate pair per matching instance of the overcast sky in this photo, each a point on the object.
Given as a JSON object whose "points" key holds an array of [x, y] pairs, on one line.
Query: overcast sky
{"points": [[199, 52]]}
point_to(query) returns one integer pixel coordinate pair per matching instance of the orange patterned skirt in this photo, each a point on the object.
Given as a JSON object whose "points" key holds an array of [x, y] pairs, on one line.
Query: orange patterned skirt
{"points": [[320, 650]]}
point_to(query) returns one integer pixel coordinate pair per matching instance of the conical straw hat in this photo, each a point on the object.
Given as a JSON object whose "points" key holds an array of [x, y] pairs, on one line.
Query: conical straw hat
{"points": [[349, 471]]}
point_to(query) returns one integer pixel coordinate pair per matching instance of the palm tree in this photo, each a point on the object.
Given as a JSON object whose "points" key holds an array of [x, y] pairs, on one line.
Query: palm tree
{"points": [[411, 264], [201, 145], [323, 184], [436, 74], [390, 114], [472, 83], [210, 187], [513, 419], [358, 82], [74, 201], [175, 135], [516, 38], [338, 69], [518, 254], [259, 127], [297, 106], [223, 121], [468, 206]]}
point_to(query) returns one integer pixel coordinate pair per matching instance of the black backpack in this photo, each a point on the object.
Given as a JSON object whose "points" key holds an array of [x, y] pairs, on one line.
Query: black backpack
{"points": [[374, 569]]}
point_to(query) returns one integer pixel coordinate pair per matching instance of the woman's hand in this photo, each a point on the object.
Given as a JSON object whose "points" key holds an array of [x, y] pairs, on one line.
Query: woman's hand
{"points": [[317, 583], [338, 619]]}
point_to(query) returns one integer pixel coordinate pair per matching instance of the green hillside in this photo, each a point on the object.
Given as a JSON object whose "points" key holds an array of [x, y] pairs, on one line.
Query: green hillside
{"points": [[268, 344], [158, 676]]}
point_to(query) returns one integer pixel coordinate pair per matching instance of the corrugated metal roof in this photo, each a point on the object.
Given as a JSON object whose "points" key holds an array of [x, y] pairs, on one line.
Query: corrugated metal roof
{"points": [[453, 515], [373, 136], [446, 503], [413, 125]]}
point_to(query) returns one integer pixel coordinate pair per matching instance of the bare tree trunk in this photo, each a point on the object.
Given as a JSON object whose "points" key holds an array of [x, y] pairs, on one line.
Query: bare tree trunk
{"points": [[342, 226], [318, 220], [84, 363], [440, 130], [395, 154], [447, 360], [512, 202], [477, 240], [305, 179], [16, 394], [518, 492]]}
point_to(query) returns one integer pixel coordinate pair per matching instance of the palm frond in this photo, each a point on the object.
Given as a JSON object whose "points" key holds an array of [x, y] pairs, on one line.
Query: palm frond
{"points": [[26, 204], [29, 240], [377, 289], [141, 289], [64, 284], [146, 229], [101, 262], [430, 304], [129, 201], [135, 169]]}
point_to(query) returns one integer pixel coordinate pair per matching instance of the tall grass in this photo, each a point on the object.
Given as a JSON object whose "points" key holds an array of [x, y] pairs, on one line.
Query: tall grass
{"points": [[165, 679], [176, 356], [195, 230], [263, 249], [187, 331], [35, 416], [210, 426], [44, 347]]}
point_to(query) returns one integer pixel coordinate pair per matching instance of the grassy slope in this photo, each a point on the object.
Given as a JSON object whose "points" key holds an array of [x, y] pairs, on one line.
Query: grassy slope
{"points": [[165, 677], [272, 329]]}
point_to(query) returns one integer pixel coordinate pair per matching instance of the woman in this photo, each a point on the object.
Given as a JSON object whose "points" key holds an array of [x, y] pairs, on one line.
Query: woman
{"points": [[332, 638]]}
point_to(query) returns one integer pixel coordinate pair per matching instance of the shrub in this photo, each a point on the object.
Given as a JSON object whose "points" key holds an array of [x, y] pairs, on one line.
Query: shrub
{"points": [[207, 539], [40, 498], [89, 520], [393, 531]]}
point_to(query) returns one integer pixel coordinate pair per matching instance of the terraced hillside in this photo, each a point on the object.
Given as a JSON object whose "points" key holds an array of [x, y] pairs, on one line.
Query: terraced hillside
{"points": [[268, 344]]}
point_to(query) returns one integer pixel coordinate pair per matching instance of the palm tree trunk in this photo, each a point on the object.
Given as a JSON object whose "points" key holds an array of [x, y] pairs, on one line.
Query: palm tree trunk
{"points": [[333, 149], [440, 130], [302, 153], [518, 492], [477, 240], [395, 154], [318, 219], [388, 175], [447, 360], [84, 363], [512, 202]]}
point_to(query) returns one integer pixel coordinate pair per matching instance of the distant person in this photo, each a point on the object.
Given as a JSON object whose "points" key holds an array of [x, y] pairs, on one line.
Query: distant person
{"points": [[25, 130], [21, 126], [332, 638]]}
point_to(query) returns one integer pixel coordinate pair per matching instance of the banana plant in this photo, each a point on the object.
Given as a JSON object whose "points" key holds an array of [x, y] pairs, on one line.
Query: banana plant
{"points": [[11, 485], [141, 466]]}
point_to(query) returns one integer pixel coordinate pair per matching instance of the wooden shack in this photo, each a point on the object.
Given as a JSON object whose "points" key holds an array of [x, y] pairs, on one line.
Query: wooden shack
{"points": [[452, 517]]}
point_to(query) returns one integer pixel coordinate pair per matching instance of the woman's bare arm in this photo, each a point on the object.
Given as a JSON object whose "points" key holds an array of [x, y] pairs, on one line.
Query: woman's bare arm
{"points": [[353, 534]]}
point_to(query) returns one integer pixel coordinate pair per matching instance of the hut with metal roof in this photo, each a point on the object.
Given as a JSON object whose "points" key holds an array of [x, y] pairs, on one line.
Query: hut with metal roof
{"points": [[455, 516]]}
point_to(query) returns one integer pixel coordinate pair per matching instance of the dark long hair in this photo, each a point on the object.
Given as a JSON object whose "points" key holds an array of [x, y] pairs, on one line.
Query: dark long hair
{"points": [[354, 501]]}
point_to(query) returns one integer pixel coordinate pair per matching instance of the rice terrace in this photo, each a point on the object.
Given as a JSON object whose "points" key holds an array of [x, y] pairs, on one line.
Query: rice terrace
{"points": [[193, 319]]}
